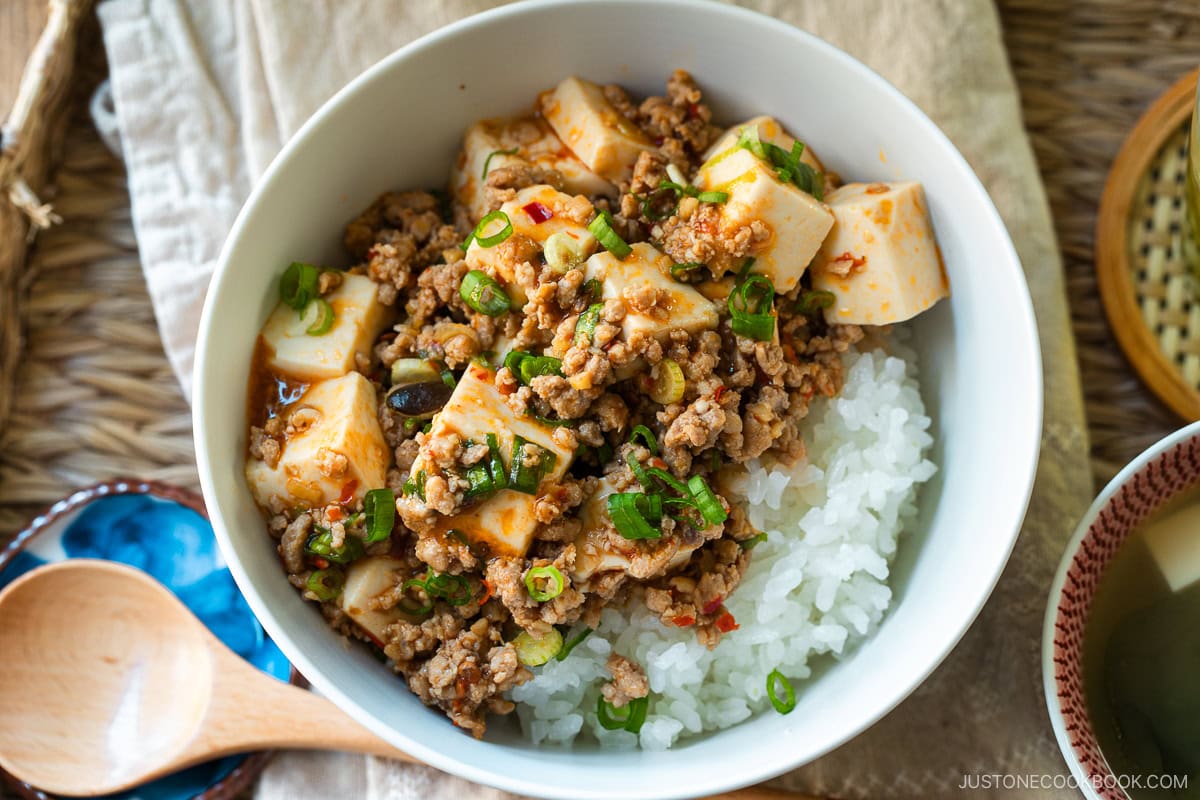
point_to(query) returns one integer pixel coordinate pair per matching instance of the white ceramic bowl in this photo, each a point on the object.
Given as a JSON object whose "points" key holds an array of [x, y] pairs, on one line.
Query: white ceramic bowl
{"points": [[399, 126]]}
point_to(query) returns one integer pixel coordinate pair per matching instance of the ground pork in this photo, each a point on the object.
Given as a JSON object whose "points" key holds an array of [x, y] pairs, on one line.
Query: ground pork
{"points": [[628, 682], [680, 123], [291, 545], [705, 237], [468, 676], [502, 183], [264, 447], [507, 578]]}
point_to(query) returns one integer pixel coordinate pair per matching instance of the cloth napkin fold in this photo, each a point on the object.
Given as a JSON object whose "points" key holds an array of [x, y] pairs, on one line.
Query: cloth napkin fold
{"points": [[206, 92]]}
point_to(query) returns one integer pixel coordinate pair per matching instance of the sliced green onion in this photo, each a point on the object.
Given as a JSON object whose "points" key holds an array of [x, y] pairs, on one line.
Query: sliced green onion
{"points": [[669, 385], [787, 703], [449, 379], [522, 478], [563, 251], [681, 271], [413, 370], [593, 288], [651, 201], [526, 366], [632, 720], [707, 501], [479, 480], [713, 197], [326, 584], [380, 508], [647, 436], [320, 545], [639, 472], [415, 485], [406, 602], [487, 162], [601, 228], [298, 285], [323, 322], [585, 328], [554, 423], [556, 582], [497, 237], [754, 541], [571, 644], [747, 265], [481, 293], [630, 513], [813, 301], [495, 462], [454, 589], [670, 480], [788, 165], [534, 652], [750, 308]]}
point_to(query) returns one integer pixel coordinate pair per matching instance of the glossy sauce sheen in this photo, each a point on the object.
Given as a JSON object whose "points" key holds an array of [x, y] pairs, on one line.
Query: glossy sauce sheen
{"points": [[268, 391]]}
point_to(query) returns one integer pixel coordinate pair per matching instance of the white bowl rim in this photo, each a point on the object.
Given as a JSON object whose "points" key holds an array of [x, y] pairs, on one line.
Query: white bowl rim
{"points": [[1053, 600], [1029, 448]]}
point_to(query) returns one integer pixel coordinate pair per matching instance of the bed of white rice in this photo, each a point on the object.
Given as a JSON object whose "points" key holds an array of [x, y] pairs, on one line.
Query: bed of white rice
{"points": [[817, 585]]}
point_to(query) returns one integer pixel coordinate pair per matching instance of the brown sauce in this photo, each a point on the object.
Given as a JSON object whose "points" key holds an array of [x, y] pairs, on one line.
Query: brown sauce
{"points": [[269, 392]]}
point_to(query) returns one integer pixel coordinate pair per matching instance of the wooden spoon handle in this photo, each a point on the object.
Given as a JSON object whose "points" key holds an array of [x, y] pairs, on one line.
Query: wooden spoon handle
{"points": [[251, 711]]}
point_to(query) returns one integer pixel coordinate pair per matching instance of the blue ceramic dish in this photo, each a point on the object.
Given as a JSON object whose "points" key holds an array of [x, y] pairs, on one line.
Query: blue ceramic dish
{"points": [[163, 531]]}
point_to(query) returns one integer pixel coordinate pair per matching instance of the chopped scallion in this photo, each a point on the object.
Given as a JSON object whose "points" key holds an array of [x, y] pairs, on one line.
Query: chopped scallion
{"points": [[601, 227], [320, 545], [326, 584], [570, 644], [707, 501], [298, 285], [647, 436], [487, 162], [544, 583], [632, 720], [785, 704], [481, 293], [585, 328], [630, 513], [813, 301], [521, 476], [323, 321], [750, 308], [669, 385], [491, 240], [380, 508], [534, 652]]}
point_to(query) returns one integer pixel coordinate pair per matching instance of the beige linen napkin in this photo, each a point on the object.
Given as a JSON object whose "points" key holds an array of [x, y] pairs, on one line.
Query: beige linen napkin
{"points": [[206, 92]]}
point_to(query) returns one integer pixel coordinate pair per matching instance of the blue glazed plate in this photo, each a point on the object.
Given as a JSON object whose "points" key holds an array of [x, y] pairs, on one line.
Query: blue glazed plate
{"points": [[163, 531]]}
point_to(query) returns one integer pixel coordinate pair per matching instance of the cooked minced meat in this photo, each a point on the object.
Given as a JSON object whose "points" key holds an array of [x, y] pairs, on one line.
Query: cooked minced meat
{"points": [[557, 365]]}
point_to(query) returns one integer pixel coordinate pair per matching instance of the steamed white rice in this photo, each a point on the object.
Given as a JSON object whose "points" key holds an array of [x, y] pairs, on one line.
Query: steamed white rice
{"points": [[817, 585]]}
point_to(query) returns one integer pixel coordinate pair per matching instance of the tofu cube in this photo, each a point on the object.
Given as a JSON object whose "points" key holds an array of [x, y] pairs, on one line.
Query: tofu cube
{"points": [[366, 579], [568, 215], [311, 471], [601, 136], [504, 522], [769, 130], [646, 266], [536, 144], [599, 548], [359, 318], [884, 238], [797, 222]]}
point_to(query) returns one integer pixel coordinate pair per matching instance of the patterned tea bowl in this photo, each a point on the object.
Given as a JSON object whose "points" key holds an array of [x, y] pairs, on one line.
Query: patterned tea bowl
{"points": [[1161, 473]]}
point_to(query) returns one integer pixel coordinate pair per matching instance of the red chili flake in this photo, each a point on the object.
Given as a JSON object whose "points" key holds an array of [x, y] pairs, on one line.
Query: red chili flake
{"points": [[371, 252], [726, 623], [855, 261], [712, 605], [489, 591], [348, 490], [320, 563], [683, 620], [694, 110], [719, 393], [657, 463], [334, 513], [537, 212]]}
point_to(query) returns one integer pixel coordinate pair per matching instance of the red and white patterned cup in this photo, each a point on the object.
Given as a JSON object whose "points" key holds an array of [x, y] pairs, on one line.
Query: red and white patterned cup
{"points": [[1166, 469]]}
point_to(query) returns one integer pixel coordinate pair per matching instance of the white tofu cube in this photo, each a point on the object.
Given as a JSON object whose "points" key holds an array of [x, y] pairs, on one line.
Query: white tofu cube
{"points": [[647, 266], [769, 130], [359, 318], [798, 222], [599, 548], [601, 136], [504, 522], [883, 235], [1175, 547], [535, 143], [366, 579], [569, 215], [311, 471]]}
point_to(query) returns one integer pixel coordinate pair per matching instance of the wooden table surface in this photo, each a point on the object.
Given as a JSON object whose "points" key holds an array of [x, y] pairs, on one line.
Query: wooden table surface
{"points": [[21, 22]]}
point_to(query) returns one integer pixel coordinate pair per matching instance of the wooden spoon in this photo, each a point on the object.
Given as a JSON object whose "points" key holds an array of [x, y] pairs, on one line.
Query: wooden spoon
{"points": [[110, 682]]}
